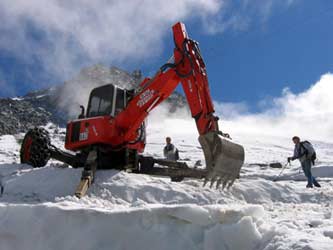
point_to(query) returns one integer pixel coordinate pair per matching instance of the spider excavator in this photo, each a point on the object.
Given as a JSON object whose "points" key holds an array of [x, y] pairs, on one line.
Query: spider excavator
{"points": [[111, 133]]}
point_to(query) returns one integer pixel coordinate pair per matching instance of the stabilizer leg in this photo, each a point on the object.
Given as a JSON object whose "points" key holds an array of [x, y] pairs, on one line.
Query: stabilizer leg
{"points": [[88, 174]]}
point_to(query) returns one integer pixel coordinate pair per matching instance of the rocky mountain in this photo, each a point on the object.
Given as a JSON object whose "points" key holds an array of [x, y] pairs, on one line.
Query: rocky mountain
{"points": [[18, 115], [60, 103]]}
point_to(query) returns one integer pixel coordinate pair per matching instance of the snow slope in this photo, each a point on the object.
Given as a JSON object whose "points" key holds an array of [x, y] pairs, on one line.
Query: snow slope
{"points": [[128, 211]]}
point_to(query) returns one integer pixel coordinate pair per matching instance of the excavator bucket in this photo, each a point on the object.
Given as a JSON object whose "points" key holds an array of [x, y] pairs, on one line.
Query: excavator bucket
{"points": [[224, 159]]}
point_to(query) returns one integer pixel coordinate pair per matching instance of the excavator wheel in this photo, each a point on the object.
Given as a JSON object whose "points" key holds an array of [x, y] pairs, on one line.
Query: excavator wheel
{"points": [[35, 148]]}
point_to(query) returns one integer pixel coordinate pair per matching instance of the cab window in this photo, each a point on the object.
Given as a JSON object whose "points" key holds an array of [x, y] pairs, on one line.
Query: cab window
{"points": [[100, 101], [120, 101]]}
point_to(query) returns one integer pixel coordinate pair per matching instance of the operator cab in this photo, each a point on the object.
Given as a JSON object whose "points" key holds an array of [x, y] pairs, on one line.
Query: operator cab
{"points": [[107, 100]]}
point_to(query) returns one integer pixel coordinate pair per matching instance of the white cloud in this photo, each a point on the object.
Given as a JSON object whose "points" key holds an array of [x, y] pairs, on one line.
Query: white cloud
{"points": [[230, 110], [308, 114], [99, 30], [84, 32]]}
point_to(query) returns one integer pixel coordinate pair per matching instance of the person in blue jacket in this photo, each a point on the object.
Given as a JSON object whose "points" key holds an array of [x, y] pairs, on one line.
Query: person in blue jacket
{"points": [[306, 154]]}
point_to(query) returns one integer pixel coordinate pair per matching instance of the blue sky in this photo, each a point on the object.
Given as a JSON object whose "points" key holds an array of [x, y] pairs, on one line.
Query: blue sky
{"points": [[251, 52]]}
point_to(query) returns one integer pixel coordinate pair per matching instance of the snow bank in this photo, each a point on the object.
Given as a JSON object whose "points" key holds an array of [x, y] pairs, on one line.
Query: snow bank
{"points": [[152, 227], [113, 188]]}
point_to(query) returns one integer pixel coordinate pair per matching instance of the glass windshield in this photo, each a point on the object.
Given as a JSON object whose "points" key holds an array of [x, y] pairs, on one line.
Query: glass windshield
{"points": [[120, 101], [100, 101]]}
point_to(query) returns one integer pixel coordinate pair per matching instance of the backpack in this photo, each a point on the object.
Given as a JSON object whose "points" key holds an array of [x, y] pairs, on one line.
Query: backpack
{"points": [[309, 150]]}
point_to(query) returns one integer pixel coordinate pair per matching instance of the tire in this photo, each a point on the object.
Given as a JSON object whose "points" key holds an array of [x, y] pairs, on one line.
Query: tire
{"points": [[35, 148], [146, 164]]}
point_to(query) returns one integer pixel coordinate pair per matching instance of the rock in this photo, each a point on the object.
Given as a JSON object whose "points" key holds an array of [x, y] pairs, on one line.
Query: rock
{"points": [[19, 115]]}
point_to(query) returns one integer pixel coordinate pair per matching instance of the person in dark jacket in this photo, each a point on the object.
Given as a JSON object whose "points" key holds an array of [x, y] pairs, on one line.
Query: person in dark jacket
{"points": [[170, 151], [304, 152]]}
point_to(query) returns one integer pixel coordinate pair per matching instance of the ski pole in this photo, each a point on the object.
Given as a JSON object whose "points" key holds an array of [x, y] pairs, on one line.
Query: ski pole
{"points": [[283, 168]]}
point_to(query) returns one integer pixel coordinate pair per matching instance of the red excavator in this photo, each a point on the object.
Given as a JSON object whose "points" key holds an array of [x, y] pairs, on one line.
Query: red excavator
{"points": [[111, 133]]}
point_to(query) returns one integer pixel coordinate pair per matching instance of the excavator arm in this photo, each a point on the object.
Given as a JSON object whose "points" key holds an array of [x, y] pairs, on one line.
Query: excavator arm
{"points": [[224, 158], [191, 70]]}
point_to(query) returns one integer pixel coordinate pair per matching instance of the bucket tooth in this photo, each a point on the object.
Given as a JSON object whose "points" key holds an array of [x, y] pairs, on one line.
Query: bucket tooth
{"points": [[218, 183], [213, 180]]}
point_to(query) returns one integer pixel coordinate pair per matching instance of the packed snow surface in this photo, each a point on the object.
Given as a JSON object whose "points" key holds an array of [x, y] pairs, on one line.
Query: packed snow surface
{"points": [[129, 211]]}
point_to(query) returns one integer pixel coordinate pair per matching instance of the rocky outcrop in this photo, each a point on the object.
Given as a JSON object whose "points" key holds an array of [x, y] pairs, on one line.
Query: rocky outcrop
{"points": [[19, 115]]}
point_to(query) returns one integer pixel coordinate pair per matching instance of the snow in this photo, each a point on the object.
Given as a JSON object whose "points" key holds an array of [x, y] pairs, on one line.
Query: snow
{"points": [[17, 98], [150, 227], [129, 211], [9, 149]]}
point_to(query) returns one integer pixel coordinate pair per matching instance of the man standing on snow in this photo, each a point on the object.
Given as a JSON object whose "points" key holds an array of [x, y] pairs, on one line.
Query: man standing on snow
{"points": [[306, 154], [170, 151]]}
